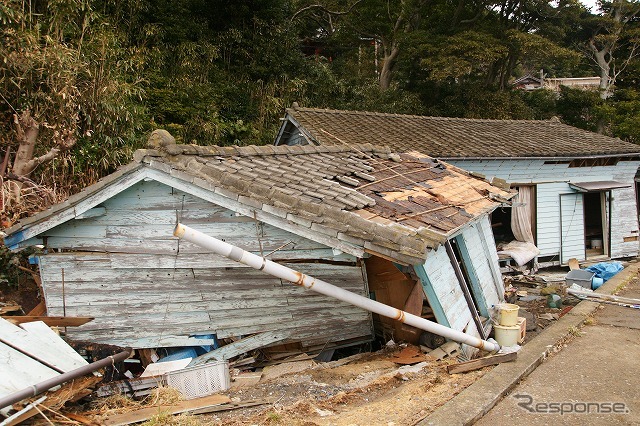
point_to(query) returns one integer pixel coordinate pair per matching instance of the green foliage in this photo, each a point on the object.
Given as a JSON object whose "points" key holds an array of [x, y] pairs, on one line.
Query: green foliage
{"points": [[543, 103], [580, 108], [219, 72], [465, 54], [71, 70], [625, 115]]}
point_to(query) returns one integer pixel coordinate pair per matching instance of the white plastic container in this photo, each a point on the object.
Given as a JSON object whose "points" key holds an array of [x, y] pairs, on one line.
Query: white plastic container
{"points": [[507, 335], [202, 380], [507, 314]]}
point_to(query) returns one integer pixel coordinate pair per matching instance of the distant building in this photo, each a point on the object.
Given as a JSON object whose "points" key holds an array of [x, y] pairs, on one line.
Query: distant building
{"points": [[529, 82]]}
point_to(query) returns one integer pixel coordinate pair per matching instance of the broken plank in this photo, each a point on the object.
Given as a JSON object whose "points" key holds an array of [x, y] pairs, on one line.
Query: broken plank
{"points": [[476, 364], [242, 346], [42, 345], [179, 408], [39, 310], [50, 321], [19, 371], [233, 406], [24, 414], [134, 387], [9, 308], [68, 358]]}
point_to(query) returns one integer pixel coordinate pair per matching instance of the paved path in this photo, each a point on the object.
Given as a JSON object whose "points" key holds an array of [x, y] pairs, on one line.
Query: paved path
{"points": [[603, 365]]}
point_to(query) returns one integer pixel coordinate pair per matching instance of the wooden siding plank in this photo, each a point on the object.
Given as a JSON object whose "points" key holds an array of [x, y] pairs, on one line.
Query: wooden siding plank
{"points": [[66, 356], [241, 346], [473, 267], [18, 371], [34, 342], [447, 288], [572, 227]]}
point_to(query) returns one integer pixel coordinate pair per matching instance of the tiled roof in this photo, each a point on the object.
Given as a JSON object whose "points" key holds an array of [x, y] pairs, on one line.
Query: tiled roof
{"points": [[397, 205], [361, 194], [443, 137]]}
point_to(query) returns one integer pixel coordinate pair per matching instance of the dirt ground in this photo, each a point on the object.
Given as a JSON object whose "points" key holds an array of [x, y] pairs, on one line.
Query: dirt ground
{"points": [[364, 389], [370, 390]]}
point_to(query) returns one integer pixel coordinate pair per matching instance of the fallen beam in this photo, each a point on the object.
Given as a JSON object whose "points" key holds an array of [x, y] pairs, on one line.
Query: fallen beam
{"points": [[476, 364], [50, 321], [179, 408], [241, 346]]}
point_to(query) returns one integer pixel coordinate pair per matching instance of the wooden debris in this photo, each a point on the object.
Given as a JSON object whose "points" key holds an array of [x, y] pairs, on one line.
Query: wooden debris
{"points": [[5, 309], [189, 406], [409, 355], [573, 264], [133, 387], [476, 364], [242, 346], [233, 406], [246, 379], [50, 321], [39, 310], [24, 414], [81, 419], [294, 365], [53, 401]]}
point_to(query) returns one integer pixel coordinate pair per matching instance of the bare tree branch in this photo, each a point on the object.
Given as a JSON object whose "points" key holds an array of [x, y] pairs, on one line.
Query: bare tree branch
{"points": [[324, 9]]}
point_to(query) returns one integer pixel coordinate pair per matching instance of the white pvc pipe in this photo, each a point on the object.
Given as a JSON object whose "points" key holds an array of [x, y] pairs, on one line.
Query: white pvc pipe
{"points": [[298, 278]]}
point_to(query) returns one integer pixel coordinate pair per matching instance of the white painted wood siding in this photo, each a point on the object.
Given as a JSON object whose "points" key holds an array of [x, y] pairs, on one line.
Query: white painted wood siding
{"points": [[447, 288], [572, 227], [148, 289], [548, 217], [624, 217], [482, 263]]}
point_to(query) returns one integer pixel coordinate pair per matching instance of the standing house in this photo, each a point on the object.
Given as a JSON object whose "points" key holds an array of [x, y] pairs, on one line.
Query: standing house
{"points": [[577, 188], [411, 232]]}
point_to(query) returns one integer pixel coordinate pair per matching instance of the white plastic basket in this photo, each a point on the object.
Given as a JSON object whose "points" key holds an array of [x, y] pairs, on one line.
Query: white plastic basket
{"points": [[202, 380]]}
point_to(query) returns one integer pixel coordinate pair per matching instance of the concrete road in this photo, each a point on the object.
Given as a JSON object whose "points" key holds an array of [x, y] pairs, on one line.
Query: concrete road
{"points": [[594, 380]]}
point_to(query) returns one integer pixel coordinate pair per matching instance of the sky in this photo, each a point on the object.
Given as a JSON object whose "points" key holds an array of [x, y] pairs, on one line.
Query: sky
{"points": [[591, 4]]}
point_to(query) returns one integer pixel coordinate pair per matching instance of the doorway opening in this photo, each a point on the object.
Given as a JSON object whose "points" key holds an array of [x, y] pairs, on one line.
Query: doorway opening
{"points": [[595, 224]]}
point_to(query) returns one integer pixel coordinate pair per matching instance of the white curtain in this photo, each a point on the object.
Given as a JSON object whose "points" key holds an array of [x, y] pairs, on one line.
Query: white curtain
{"points": [[522, 215]]}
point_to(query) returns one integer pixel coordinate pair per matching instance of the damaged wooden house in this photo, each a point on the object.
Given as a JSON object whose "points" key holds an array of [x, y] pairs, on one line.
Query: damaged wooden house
{"points": [[577, 189], [407, 230]]}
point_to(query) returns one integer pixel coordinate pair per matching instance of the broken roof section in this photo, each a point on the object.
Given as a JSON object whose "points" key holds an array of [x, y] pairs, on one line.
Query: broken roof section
{"points": [[444, 137], [391, 204], [361, 194]]}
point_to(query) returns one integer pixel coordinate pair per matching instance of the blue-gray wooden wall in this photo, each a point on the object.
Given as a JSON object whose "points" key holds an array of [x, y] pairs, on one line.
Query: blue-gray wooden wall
{"points": [[482, 260], [552, 182], [148, 289]]}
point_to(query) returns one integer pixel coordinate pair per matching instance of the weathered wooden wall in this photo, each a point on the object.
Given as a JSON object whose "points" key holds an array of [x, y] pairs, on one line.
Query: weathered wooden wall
{"points": [[551, 181], [481, 261], [481, 247], [148, 289]]}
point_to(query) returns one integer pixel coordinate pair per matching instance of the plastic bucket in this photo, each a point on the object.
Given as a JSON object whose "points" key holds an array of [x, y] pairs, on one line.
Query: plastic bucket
{"points": [[507, 335], [596, 283], [508, 314]]}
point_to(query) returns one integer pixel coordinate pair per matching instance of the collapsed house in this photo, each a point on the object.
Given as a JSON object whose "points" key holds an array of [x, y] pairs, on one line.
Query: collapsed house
{"points": [[573, 184], [407, 230]]}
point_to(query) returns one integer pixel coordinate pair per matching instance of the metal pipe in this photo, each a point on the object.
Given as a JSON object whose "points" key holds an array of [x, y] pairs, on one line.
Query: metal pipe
{"points": [[34, 390], [298, 278]]}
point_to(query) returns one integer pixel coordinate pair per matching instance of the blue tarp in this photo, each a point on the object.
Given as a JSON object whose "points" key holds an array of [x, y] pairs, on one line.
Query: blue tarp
{"points": [[605, 270]]}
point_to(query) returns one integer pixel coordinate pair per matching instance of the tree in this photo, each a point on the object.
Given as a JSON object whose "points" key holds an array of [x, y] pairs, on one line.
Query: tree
{"points": [[611, 45], [388, 23], [67, 88]]}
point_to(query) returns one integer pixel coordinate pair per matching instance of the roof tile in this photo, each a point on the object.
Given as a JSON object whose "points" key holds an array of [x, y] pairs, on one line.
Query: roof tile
{"points": [[446, 137]]}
